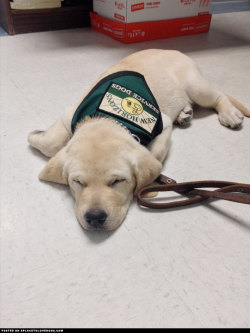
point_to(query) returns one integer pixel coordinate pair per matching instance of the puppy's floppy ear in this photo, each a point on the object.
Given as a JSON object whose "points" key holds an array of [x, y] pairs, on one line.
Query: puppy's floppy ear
{"points": [[146, 168], [53, 171]]}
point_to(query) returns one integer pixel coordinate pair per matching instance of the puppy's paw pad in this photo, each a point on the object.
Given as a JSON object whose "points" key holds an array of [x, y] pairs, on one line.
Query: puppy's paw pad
{"points": [[184, 118], [188, 110]]}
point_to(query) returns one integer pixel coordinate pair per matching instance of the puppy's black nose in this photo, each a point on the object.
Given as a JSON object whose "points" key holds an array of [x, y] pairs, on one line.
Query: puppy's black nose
{"points": [[95, 217]]}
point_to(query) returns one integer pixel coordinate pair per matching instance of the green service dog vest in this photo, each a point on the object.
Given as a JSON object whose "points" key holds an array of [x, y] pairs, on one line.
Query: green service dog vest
{"points": [[125, 97]]}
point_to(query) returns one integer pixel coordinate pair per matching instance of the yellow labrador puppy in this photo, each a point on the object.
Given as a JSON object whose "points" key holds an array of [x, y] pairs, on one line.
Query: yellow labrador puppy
{"points": [[115, 140]]}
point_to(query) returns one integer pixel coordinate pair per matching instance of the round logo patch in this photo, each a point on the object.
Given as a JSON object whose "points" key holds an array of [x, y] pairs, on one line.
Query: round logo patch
{"points": [[132, 106]]}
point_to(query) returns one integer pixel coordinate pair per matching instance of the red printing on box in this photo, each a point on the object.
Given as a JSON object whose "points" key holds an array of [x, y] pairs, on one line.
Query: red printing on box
{"points": [[141, 31], [137, 6], [187, 2], [119, 17]]}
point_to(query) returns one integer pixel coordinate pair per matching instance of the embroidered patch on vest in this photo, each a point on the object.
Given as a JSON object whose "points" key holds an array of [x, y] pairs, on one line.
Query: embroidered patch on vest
{"points": [[125, 97], [125, 103]]}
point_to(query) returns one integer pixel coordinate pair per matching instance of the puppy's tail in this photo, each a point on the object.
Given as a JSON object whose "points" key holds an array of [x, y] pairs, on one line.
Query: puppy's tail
{"points": [[239, 106]]}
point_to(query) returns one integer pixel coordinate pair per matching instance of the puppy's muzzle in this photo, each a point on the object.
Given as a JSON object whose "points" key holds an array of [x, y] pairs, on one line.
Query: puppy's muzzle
{"points": [[95, 217]]}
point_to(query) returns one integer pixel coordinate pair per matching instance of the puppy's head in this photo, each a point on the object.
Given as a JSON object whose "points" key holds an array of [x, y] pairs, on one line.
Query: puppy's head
{"points": [[104, 166]]}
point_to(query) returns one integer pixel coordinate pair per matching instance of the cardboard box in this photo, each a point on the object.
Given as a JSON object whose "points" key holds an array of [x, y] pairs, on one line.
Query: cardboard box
{"points": [[142, 31], [131, 11]]}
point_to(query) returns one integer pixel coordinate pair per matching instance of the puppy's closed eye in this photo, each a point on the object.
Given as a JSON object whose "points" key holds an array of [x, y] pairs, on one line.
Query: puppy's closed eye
{"points": [[79, 183], [117, 181]]}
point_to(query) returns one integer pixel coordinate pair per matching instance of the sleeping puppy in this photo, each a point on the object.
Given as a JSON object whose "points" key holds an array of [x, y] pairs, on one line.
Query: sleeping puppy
{"points": [[115, 140]]}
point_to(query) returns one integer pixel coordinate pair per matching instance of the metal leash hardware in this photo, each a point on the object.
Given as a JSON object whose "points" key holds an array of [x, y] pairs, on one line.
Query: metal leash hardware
{"points": [[230, 191]]}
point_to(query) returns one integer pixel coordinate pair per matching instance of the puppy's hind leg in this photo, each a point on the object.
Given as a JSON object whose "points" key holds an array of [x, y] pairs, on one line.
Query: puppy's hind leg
{"points": [[49, 142], [204, 94]]}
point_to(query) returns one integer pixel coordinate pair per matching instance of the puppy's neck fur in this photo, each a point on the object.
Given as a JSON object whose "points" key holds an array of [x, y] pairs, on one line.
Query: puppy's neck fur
{"points": [[104, 130]]}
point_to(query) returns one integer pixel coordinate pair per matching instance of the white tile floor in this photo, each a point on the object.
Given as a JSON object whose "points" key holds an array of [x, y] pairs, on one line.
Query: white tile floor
{"points": [[182, 268]]}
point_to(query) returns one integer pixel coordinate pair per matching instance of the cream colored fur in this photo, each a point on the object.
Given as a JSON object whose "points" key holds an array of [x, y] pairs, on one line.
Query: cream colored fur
{"points": [[102, 163]]}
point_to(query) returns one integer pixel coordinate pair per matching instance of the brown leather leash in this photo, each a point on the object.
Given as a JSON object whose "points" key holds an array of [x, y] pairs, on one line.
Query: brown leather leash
{"points": [[231, 191]]}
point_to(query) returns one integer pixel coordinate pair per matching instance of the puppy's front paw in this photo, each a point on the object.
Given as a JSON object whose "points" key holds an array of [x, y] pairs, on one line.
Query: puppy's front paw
{"points": [[231, 118], [150, 195], [33, 137], [37, 140]]}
